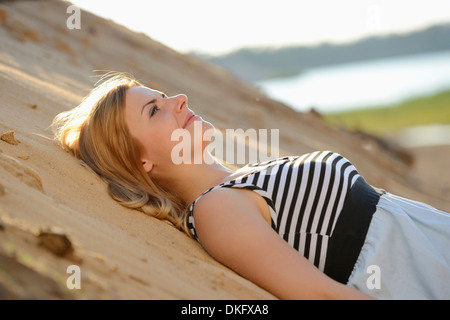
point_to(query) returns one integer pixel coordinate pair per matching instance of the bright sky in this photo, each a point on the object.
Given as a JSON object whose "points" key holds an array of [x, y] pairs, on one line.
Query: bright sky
{"points": [[216, 27]]}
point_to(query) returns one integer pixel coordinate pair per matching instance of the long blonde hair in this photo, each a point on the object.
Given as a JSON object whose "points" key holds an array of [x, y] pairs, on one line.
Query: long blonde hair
{"points": [[96, 132]]}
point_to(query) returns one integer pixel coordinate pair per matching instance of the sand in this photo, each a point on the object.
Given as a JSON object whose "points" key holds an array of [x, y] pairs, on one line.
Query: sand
{"points": [[54, 213]]}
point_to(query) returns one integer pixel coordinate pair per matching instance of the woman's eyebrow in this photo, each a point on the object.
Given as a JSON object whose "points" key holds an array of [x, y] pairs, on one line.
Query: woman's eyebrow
{"points": [[163, 95], [150, 102]]}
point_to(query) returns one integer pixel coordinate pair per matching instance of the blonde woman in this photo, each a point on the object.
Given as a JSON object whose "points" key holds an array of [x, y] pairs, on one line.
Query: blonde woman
{"points": [[301, 227]]}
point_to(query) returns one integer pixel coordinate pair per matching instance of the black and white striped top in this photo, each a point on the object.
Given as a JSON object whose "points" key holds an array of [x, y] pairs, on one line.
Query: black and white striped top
{"points": [[305, 194]]}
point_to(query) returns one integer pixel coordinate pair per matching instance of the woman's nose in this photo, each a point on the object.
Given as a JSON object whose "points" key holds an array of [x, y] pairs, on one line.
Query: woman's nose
{"points": [[181, 102]]}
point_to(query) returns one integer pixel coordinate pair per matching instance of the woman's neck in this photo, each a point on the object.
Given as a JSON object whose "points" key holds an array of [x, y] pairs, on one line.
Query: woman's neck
{"points": [[189, 181]]}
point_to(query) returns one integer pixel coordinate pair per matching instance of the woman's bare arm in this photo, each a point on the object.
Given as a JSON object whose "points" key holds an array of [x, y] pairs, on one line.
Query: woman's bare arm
{"points": [[231, 228]]}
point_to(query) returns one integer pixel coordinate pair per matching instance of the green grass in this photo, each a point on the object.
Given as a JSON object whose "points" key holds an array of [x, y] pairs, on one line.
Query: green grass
{"points": [[383, 120]]}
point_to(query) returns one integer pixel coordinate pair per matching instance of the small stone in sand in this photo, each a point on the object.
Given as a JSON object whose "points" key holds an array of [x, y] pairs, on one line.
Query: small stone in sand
{"points": [[56, 242], [8, 137]]}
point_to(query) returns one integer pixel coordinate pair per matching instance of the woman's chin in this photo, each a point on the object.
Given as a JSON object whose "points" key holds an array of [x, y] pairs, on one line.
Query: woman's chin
{"points": [[205, 124], [200, 126]]}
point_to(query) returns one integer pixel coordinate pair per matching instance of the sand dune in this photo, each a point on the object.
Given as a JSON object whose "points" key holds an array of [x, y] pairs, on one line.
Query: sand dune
{"points": [[55, 213]]}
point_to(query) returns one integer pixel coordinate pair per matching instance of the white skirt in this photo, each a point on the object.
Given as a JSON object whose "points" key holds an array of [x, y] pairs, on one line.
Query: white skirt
{"points": [[406, 254]]}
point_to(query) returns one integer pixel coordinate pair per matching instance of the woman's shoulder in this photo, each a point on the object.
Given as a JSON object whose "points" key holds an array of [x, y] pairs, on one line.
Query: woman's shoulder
{"points": [[225, 208], [220, 199], [230, 201]]}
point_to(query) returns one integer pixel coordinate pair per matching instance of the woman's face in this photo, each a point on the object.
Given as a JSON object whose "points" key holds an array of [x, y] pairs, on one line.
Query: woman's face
{"points": [[152, 117]]}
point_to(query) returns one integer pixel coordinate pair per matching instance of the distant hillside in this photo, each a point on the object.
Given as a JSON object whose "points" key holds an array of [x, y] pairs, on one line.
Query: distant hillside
{"points": [[385, 121], [253, 64]]}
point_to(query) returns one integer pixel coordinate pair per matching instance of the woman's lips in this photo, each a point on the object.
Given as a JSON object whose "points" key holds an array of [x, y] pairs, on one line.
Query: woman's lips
{"points": [[189, 119]]}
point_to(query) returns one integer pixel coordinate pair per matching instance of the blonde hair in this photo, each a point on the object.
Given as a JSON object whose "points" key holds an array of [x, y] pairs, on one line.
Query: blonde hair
{"points": [[96, 132]]}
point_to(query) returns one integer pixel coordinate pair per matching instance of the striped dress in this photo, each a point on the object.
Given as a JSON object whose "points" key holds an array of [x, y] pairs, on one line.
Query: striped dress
{"points": [[319, 204]]}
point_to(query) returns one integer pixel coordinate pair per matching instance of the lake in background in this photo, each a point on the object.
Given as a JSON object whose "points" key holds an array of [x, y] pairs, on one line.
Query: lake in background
{"points": [[362, 84]]}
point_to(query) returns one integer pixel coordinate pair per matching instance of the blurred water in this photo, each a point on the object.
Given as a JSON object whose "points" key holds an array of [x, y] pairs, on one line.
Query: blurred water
{"points": [[421, 136], [363, 84]]}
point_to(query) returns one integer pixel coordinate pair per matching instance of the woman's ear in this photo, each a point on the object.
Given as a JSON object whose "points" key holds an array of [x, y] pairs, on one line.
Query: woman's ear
{"points": [[147, 165]]}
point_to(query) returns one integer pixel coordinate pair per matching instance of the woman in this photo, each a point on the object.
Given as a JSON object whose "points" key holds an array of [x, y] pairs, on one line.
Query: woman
{"points": [[306, 227]]}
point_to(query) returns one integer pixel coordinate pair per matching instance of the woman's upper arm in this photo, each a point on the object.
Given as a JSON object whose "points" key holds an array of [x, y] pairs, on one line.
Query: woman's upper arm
{"points": [[231, 228]]}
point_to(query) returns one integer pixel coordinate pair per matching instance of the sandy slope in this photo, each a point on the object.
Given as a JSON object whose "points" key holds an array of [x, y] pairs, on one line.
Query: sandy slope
{"points": [[45, 69]]}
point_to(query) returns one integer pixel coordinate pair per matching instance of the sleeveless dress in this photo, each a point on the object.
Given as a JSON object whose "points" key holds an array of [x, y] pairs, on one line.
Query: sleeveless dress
{"points": [[322, 207]]}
